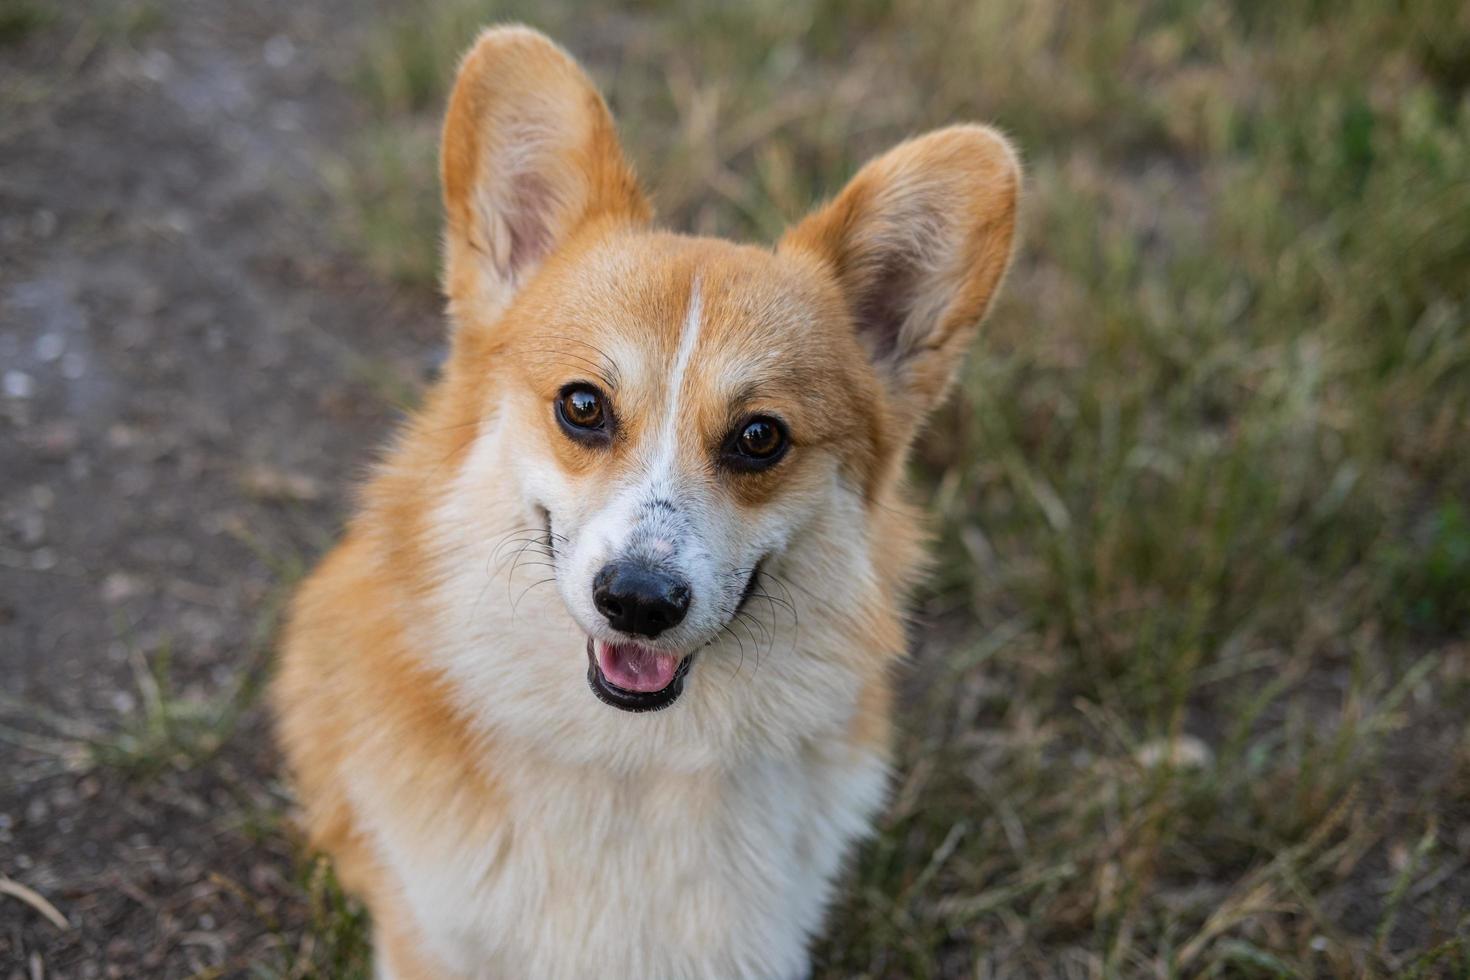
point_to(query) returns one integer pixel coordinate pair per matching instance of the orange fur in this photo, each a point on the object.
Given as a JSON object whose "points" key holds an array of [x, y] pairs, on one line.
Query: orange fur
{"points": [[850, 331]]}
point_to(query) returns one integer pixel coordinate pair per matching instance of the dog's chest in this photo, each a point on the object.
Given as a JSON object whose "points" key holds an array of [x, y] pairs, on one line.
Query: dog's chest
{"points": [[656, 875]]}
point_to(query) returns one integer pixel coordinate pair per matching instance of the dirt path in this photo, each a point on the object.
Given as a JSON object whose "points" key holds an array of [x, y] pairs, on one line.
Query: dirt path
{"points": [[190, 370]]}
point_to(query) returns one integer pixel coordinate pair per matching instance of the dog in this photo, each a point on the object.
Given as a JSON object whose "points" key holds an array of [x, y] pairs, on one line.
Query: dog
{"points": [[598, 682]]}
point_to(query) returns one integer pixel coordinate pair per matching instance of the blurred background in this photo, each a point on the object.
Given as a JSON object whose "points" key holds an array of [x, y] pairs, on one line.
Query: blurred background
{"points": [[1192, 675]]}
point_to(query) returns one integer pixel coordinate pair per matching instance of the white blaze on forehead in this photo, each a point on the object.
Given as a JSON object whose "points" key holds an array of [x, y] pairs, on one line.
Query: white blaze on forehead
{"points": [[688, 340], [631, 516]]}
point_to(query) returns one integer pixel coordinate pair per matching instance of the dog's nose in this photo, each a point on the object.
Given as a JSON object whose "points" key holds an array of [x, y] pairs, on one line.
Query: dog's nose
{"points": [[638, 599]]}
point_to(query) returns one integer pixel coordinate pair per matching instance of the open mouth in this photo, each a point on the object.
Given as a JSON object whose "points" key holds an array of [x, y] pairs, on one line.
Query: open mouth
{"points": [[633, 677]]}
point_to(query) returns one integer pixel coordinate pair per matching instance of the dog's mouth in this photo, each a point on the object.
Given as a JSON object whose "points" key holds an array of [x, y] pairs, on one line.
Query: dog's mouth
{"points": [[633, 677]]}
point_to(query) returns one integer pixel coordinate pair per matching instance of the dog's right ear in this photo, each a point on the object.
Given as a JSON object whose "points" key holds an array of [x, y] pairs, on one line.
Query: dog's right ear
{"points": [[529, 156]]}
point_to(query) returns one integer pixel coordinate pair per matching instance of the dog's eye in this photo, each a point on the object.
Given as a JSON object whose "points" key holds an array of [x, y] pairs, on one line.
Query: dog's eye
{"points": [[760, 439], [582, 412], [582, 407], [756, 443]]}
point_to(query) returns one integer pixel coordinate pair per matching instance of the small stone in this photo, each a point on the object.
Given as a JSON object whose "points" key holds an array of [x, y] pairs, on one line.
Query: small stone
{"points": [[1184, 752], [50, 347], [120, 586], [18, 384], [269, 483], [156, 65], [120, 436], [279, 51], [178, 221]]}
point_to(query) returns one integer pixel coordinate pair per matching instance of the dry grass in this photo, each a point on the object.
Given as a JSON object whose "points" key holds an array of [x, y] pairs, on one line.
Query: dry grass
{"points": [[1206, 554]]}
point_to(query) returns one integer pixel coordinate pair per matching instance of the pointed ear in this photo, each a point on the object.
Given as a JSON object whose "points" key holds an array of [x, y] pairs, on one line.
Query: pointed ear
{"points": [[918, 242], [529, 156]]}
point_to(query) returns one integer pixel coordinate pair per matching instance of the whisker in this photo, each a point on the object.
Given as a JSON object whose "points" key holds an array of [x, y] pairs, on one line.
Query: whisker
{"points": [[514, 562], [521, 553], [515, 605], [524, 531], [528, 541], [597, 370], [790, 601], [774, 600], [725, 628], [748, 623], [745, 616], [538, 564], [531, 546], [609, 364], [743, 621]]}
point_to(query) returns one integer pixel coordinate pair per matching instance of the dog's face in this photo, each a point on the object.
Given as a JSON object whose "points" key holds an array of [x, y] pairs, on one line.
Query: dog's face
{"points": [[698, 443], [684, 409]]}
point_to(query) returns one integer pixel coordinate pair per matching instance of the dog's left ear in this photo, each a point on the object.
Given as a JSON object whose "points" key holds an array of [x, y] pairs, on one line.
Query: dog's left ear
{"points": [[530, 156], [918, 242]]}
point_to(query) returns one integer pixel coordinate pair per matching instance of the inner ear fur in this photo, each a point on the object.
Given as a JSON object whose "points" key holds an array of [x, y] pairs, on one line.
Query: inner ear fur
{"points": [[918, 242], [529, 156]]}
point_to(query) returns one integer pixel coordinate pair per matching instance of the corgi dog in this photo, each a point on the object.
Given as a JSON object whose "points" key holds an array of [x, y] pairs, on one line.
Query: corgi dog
{"points": [[599, 681]]}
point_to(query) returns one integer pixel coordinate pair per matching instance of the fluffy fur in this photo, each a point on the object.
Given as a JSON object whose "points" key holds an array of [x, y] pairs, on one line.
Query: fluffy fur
{"points": [[498, 819]]}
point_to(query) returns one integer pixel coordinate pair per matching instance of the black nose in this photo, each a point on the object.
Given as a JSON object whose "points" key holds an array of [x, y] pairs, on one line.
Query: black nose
{"points": [[639, 600]]}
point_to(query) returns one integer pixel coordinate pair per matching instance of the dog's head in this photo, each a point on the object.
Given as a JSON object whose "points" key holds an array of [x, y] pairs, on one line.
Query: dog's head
{"points": [[698, 443]]}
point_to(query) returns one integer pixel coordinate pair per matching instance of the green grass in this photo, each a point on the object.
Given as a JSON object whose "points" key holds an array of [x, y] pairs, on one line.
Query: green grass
{"points": [[166, 726], [1204, 500], [339, 946], [169, 728], [19, 19]]}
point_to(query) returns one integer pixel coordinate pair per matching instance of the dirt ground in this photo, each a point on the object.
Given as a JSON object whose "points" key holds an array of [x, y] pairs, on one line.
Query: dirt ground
{"points": [[190, 369]]}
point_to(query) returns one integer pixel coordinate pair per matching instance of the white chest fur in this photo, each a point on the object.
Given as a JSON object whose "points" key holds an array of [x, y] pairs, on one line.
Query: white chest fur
{"points": [[650, 875]]}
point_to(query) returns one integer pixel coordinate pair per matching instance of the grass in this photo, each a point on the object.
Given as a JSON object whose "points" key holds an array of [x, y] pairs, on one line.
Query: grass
{"points": [[165, 726], [337, 940], [21, 18], [1202, 502], [169, 729]]}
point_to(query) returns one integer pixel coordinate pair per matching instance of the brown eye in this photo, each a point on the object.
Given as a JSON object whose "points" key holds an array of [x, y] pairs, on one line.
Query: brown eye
{"points": [[760, 439], [756, 444], [582, 412]]}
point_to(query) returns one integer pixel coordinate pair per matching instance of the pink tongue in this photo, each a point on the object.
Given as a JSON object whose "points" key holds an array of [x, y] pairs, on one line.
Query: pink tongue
{"points": [[636, 668]]}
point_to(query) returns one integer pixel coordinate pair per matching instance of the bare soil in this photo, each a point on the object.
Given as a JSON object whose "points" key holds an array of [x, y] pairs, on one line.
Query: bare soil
{"points": [[191, 374]]}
